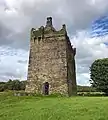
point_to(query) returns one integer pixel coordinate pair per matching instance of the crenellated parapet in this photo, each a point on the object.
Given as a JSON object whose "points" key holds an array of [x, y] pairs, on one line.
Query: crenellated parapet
{"points": [[48, 30]]}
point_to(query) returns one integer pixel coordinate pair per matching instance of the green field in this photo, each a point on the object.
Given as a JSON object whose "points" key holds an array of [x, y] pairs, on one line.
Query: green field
{"points": [[53, 108]]}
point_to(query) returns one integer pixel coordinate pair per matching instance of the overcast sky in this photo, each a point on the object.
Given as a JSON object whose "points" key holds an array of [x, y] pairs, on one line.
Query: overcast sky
{"points": [[87, 26]]}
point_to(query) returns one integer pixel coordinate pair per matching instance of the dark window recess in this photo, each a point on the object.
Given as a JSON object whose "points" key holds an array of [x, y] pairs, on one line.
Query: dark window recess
{"points": [[35, 39], [39, 38]]}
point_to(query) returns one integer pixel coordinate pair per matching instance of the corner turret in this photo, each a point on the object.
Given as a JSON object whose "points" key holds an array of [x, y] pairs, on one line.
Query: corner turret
{"points": [[49, 22]]}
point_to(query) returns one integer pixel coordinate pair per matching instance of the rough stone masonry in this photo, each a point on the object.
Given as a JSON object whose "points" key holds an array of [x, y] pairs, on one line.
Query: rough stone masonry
{"points": [[51, 66]]}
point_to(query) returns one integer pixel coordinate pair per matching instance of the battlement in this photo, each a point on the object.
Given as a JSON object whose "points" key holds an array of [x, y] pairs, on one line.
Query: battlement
{"points": [[48, 30]]}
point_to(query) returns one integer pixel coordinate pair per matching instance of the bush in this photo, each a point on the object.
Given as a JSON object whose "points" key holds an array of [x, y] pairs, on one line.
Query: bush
{"points": [[12, 85], [91, 94]]}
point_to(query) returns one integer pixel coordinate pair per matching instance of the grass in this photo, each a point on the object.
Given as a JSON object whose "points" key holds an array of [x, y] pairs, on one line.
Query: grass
{"points": [[52, 108]]}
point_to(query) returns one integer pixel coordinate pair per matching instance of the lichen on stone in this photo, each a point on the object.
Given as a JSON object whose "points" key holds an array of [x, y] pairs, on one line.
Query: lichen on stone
{"points": [[42, 31]]}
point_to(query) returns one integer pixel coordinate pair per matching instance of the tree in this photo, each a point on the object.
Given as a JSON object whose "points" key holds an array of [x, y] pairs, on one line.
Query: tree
{"points": [[2, 87], [16, 85], [99, 75], [9, 85], [12, 85], [85, 89], [22, 85]]}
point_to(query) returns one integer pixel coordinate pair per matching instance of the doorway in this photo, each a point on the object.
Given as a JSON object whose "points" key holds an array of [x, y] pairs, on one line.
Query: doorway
{"points": [[46, 88]]}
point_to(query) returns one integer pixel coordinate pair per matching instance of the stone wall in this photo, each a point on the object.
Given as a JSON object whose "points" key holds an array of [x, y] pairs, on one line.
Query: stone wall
{"points": [[48, 64], [51, 60], [71, 70]]}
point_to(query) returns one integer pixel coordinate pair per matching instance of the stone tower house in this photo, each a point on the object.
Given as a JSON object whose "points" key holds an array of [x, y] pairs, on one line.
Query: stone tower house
{"points": [[51, 61]]}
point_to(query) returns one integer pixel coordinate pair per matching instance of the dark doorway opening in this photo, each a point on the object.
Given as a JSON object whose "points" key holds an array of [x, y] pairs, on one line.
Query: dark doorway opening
{"points": [[46, 88]]}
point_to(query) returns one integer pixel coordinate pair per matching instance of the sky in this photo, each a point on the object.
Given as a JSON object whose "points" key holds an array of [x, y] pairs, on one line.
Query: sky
{"points": [[86, 22]]}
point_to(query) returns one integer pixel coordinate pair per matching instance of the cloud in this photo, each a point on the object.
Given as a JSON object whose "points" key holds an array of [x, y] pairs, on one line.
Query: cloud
{"points": [[17, 17], [22, 61], [88, 50], [12, 65]]}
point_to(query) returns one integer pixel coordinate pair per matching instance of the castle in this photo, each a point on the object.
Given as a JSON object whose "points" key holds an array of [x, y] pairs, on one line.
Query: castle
{"points": [[51, 66]]}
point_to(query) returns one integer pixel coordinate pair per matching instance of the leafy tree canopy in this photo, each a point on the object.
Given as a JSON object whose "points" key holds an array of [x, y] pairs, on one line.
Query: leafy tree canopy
{"points": [[99, 75]]}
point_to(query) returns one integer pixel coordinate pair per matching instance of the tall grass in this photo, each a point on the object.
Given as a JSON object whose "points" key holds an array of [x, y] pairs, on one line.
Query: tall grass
{"points": [[52, 108]]}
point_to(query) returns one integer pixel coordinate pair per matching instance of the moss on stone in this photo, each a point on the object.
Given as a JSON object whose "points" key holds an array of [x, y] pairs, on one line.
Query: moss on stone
{"points": [[44, 31]]}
